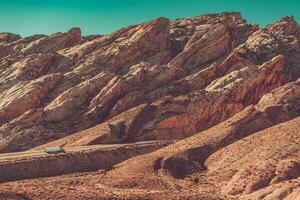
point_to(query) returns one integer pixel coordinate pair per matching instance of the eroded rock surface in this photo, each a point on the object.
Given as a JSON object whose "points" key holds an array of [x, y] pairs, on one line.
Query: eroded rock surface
{"points": [[228, 89], [247, 156], [195, 73]]}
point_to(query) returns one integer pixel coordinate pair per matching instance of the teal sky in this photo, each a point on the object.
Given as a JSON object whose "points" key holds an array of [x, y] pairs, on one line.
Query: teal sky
{"points": [[28, 17]]}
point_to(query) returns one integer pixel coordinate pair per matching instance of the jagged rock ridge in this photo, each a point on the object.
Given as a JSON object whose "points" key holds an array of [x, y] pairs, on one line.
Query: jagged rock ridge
{"points": [[216, 78], [187, 70]]}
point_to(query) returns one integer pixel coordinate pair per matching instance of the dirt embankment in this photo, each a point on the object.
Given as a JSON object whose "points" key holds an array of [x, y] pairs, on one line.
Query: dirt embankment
{"points": [[78, 161]]}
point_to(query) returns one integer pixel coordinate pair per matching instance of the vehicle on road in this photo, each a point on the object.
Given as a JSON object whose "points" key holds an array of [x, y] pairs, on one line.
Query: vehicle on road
{"points": [[54, 150]]}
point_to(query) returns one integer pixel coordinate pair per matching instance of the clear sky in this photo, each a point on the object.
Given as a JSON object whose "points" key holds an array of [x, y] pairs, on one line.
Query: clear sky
{"points": [[28, 17]]}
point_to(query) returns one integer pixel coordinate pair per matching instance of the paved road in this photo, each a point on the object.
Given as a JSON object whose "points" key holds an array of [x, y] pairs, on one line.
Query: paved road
{"points": [[7, 156]]}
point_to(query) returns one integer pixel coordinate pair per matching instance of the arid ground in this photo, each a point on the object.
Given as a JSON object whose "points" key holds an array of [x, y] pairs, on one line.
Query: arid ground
{"points": [[197, 108]]}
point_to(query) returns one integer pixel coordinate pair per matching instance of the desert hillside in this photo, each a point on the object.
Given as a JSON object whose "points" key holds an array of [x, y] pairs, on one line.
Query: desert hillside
{"points": [[215, 99]]}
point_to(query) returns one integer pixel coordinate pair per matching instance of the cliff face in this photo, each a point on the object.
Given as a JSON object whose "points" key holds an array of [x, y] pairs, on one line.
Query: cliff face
{"points": [[193, 73], [213, 77]]}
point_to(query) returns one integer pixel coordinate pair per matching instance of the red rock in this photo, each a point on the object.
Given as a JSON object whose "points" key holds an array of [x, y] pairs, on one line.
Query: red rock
{"points": [[54, 42], [9, 37], [227, 90]]}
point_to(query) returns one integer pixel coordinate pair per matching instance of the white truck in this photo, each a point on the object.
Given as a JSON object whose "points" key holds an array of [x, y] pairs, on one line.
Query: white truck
{"points": [[54, 150]]}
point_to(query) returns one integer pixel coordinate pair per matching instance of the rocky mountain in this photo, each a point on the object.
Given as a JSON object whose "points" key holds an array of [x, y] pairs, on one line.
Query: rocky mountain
{"points": [[226, 91]]}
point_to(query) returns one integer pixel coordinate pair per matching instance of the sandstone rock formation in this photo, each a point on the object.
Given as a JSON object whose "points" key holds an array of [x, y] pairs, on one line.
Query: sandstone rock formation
{"points": [[227, 90], [240, 158]]}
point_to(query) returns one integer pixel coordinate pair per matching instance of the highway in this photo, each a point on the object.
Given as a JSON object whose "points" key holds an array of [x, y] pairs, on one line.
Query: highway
{"points": [[34, 153]]}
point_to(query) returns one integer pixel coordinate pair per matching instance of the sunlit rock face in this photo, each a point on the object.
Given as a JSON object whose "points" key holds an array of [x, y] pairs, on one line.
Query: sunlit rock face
{"points": [[225, 92], [193, 73]]}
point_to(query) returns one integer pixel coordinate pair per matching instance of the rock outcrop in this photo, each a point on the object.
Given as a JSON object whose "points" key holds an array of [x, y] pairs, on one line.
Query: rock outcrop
{"points": [[249, 156], [9, 37], [194, 73], [228, 90]]}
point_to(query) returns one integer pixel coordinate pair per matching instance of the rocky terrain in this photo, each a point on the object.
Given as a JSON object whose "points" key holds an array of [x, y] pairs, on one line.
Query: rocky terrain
{"points": [[227, 91]]}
